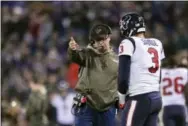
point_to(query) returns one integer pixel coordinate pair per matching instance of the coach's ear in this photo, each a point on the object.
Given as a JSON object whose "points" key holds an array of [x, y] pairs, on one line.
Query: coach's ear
{"points": [[109, 38]]}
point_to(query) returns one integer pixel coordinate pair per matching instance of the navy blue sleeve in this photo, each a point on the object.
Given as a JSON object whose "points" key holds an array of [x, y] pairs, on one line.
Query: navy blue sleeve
{"points": [[124, 73]]}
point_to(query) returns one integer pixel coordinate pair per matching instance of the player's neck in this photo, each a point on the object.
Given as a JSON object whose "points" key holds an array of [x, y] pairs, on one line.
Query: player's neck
{"points": [[140, 35]]}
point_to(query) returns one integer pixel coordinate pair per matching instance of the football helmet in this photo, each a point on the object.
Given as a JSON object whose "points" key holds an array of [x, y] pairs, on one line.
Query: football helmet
{"points": [[131, 24]]}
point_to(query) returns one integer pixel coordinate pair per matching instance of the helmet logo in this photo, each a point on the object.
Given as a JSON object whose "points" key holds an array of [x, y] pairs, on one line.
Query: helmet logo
{"points": [[125, 22]]}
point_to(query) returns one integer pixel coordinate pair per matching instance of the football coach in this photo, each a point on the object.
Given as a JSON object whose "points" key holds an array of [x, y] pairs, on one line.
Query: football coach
{"points": [[94, 104]]}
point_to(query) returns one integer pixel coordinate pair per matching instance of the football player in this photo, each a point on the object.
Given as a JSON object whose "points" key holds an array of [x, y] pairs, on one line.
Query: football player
{"points": [[139, 73], [174, 78]]}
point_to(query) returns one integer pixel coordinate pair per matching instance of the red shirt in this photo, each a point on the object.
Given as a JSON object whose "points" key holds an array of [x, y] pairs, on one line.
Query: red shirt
{"points": [[72, 74]]}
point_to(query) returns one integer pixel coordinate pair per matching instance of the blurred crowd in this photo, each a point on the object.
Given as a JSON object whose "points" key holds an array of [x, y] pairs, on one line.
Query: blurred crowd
{"points": [[34, 42]]}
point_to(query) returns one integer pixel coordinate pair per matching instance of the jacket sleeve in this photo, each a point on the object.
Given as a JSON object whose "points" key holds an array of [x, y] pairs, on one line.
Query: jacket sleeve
{"points": [[77, 56]]}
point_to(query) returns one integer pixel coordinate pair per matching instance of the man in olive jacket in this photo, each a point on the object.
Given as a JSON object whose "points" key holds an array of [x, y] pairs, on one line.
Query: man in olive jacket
{"points": [[97, 78], [36, 105]]}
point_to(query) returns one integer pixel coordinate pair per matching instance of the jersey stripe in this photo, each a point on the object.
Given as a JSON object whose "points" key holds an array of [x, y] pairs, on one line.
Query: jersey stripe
{"points": [[130, 113]]}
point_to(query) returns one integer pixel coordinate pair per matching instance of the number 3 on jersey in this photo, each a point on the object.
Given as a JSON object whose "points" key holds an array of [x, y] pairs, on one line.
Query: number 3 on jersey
{"points": [[155, 60]]}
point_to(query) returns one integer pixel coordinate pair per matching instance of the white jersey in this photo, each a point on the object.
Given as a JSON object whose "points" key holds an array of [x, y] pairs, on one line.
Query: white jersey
{"points": [[172, 84], [146, 59], [63, 107]]}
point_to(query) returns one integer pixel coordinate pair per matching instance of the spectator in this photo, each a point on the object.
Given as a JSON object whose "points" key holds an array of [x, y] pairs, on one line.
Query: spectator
{"points": [[63, 104]]}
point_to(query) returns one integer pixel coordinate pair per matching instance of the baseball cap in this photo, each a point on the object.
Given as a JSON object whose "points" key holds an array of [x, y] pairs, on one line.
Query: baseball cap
{"points": [[99, 32]]}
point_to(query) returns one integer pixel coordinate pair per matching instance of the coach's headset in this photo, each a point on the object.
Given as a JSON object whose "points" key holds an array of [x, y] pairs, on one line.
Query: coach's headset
{"points": [[99, 32]]}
